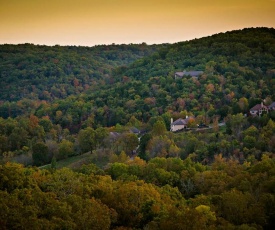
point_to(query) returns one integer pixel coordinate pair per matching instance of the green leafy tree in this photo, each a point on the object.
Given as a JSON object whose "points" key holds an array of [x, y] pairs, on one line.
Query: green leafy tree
{"points": [[100, 134], [251, 131], [237, 122], [243, 104], [3, 144], [249, 142], [18, 138], [143, 146], [66, 149], [86, 139], [159, 128], [129, 142], [46, 124], [53, 164], [40, 154], [118, 169]]}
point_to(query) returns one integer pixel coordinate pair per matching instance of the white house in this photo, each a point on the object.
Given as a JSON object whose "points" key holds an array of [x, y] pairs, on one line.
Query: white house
{"points": [[194, 74], [258, 109], [179, 124]]}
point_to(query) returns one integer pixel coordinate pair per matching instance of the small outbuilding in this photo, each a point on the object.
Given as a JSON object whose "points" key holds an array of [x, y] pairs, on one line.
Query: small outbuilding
{"points": [[179, 124], [196, 74]]}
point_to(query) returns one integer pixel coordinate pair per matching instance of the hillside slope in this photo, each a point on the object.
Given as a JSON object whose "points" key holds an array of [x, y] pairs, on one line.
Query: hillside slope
{"points": [[46, 73], [253, 48], [238, 68]]}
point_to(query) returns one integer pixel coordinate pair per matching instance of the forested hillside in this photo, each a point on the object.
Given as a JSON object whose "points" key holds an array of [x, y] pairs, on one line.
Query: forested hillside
{"points": [[161, 194], [235, 52], [47, 73], [238, 73], [110, 107]]}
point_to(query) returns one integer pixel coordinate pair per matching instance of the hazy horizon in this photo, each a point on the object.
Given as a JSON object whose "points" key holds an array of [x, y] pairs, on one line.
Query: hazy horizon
{"points": [[104, 22]]}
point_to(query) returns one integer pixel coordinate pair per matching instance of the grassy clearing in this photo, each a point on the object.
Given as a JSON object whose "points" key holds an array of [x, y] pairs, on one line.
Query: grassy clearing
{"points": [[71, 161], [75, 162]]}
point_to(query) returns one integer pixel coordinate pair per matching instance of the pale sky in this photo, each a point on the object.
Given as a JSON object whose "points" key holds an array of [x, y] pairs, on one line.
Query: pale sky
{"points": [[92, 22]]}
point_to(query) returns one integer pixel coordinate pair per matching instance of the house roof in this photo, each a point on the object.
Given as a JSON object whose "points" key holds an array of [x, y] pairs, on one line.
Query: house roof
{"points": [[134, 130], [272, 105], [181, 121], [114, 134], [258, 107], [189, 73]]}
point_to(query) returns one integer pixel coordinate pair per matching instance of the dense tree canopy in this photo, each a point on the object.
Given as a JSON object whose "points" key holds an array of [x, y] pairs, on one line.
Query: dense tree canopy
{"points": [[155, 195], [111, 107]]}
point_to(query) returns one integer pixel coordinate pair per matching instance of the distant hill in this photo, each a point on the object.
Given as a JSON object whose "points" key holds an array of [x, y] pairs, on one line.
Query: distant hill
{"points": [[50, 72], [252, 48], [238, 72], [114, 83]]}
